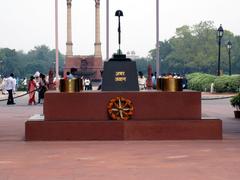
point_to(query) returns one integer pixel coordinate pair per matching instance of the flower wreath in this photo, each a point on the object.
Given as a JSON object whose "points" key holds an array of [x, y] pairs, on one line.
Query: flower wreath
{"points": [[120, 108]]}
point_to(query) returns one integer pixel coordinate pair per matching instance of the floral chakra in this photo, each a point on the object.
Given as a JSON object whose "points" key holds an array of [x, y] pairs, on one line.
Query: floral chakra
{"points": [[120, 108]]}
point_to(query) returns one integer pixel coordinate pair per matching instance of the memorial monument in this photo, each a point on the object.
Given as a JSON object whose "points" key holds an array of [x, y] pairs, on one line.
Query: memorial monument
{"points": [[120, 111], [120, 73]]}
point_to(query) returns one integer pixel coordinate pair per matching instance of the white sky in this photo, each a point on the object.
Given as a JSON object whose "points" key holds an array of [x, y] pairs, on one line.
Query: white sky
{"points": [[27, 23]]}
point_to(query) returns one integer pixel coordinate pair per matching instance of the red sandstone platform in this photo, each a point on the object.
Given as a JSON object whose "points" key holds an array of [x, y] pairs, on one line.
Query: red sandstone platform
{"points": [[148, 105], [157, 116]]}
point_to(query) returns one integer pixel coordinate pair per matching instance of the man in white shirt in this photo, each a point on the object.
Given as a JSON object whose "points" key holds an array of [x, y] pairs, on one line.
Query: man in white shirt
{"points": [[10, 87], [141, 81], [87, 84]]}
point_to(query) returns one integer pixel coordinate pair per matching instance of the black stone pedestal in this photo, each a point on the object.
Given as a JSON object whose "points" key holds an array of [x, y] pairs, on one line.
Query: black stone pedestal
{"points": [[120, 74]]}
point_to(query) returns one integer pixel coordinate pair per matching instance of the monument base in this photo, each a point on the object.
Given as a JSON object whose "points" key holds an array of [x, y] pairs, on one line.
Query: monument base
{"points": [[157, 116], [40, 130]]}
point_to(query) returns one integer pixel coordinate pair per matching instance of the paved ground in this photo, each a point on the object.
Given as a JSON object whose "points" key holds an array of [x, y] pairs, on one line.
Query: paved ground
{"points": [[129, 160]]}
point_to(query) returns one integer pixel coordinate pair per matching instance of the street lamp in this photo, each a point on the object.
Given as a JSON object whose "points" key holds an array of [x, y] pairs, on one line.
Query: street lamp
{"points": [[229, 47], [220, 32]]}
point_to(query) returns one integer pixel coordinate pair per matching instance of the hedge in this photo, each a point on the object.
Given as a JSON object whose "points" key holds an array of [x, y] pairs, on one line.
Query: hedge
{"points": [[202, 82], [227, 83]]}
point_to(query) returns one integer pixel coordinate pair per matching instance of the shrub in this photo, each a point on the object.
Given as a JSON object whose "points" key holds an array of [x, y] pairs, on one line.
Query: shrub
{"points": [[200, 81], [227, 83], [235, 101]]}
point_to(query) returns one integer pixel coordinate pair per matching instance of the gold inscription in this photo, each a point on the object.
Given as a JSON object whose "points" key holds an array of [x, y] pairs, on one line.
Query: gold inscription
{"points": [[120, 73], [120, 79], [120, 76]]}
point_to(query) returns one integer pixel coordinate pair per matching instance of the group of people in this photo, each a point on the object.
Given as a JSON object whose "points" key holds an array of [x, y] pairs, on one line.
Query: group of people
{"points": [[36, 83], [86, 81], [39, 83], [143, 82]]}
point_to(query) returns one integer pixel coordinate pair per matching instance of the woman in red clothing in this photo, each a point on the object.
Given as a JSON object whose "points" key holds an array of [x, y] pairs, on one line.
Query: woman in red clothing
{"points": [[31, 89]]}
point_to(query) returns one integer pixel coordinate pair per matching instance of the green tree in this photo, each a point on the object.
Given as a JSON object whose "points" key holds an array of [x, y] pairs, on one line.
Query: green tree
{"points": [[41, 58], [195, 49]]}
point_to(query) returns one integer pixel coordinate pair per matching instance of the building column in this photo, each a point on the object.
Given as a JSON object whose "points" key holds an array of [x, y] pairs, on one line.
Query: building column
{"points": [[69, 43], [97, 44]]}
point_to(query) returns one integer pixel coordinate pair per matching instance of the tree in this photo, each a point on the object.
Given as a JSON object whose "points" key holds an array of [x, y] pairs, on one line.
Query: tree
{"points": [[41, 58], [194, 49]]}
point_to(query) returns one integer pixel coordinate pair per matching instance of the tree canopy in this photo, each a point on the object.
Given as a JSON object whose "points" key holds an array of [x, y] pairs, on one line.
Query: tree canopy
{"points": [[41, 59], [195, 49]]}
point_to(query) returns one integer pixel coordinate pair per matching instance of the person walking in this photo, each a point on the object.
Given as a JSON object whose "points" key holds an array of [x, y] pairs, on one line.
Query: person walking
{"points": [[87, 84], [31, 90], [42, 87], [141, 81], [10, 87], [154, 80]]}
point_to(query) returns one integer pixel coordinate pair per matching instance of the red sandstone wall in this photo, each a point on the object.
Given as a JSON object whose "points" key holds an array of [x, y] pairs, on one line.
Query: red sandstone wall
{"points": [[91, 64], [148, 105]]}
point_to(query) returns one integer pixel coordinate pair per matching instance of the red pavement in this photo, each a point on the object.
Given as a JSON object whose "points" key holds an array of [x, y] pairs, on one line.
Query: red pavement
{"points": [[107, 160]]}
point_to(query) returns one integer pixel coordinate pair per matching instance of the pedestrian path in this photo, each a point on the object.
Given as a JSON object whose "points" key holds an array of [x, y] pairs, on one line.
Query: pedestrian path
{"points": [[209, 96]]}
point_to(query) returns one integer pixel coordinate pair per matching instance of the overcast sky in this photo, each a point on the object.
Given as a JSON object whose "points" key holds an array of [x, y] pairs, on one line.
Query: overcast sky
{"points": [[27, 23]]}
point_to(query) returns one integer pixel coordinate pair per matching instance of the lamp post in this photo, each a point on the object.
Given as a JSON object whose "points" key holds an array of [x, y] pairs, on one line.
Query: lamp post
{"points": [[229, 47], [220, 32]]}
